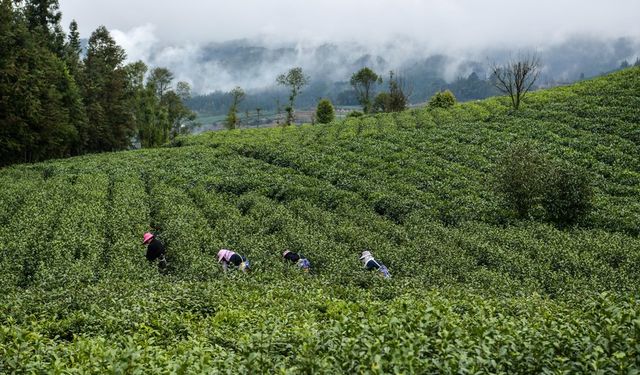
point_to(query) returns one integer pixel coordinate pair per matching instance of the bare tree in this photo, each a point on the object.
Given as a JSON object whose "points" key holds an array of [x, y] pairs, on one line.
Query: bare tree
{"points": [[516, 77], [258, 112]]}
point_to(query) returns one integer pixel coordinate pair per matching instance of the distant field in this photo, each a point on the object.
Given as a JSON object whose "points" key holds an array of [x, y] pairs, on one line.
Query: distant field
{"points": [[473, 290], [266, 119]]}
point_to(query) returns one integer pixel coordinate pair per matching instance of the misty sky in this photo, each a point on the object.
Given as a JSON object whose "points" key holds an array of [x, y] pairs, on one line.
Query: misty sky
{"points": [[439, 23], [172, 33]]}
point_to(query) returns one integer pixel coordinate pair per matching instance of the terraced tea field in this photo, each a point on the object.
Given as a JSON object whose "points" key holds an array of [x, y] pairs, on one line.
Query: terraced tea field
{"points": [[473, 288]]}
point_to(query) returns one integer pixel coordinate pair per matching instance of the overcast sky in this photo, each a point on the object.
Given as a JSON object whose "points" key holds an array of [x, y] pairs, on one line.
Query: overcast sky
{"points": [[172, 33], [454, 24]]}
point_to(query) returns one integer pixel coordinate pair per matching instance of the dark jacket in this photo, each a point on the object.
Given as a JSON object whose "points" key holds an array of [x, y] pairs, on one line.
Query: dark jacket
{"points": [[155, 250], [292, 257]]}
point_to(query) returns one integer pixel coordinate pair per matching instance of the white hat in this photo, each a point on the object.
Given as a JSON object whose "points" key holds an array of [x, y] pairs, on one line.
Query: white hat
{"points": [[365, 254]]}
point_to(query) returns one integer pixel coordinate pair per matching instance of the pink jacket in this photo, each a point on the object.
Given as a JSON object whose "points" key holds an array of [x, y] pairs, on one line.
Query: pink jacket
{"points": [[225, 255]]}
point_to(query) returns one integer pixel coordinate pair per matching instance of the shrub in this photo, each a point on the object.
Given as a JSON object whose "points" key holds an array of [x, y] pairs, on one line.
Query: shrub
{"points": [[528, 180], [442, 99], [567, 195], [519, 177], [325, 113], [381, 103], [355, 114]]}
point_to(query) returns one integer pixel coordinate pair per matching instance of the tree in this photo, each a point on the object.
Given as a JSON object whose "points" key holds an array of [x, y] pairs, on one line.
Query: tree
{"points": [[258, 110], [180, 115], [567, 194], [381, 103], [159, 119], [472, 87], [294, 79], [43, 18], [40, 104], [516, 77], [106, 94], [160, 80], [135, 75], [183, 89], [152, 119], [399, 93], [324, 112], [363, 82], [520, 177], [237, 95], [72, 51]]}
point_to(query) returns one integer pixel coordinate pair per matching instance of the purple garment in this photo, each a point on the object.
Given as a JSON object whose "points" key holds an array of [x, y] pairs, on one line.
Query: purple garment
{"points": [[225, 255]]}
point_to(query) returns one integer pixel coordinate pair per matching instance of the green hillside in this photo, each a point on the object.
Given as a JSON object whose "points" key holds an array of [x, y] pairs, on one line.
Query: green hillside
{"points": [[473, 288]]}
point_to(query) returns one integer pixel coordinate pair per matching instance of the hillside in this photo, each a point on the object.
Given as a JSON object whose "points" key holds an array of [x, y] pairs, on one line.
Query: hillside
{"points": [[473, 289]]}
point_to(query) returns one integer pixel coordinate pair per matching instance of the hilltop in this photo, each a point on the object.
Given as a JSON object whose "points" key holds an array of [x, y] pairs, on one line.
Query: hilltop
{"points": [[473, 288]]}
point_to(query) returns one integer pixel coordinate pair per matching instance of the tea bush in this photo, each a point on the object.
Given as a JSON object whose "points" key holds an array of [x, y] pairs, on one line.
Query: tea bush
{"points": [[521, 178], [473, 289]]}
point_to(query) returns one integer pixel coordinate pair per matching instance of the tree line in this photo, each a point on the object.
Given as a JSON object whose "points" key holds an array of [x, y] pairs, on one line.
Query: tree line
{"points": [[514, 78], [342, 93], [59, 100]]}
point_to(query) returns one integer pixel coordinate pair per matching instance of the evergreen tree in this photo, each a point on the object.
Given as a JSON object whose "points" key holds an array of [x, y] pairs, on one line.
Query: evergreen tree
{"points": [[73, 50], [43, 17], [325, 113], [40, 103], [105, 93]]}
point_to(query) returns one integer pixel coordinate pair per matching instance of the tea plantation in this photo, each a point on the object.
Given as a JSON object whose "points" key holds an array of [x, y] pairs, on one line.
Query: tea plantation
{"points": [[473, 289]]}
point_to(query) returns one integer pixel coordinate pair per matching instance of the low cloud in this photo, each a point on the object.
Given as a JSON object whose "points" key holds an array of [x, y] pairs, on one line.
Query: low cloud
{"points": [[452, 24], [328, 37]]}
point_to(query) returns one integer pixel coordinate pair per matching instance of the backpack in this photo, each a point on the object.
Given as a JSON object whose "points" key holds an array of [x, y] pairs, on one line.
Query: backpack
{"points": [[245, 266], [304, 264], [384, 271], [162, 262]]}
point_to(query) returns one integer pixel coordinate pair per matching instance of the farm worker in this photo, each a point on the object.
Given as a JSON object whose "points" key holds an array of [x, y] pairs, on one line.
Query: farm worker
{"points": [[227, 257], [155, 249], [371, 264], [298, 259]]}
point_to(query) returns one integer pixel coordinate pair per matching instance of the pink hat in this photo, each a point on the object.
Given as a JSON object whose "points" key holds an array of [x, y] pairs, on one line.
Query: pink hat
{"points": [[284, 254], [146, 238]]}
